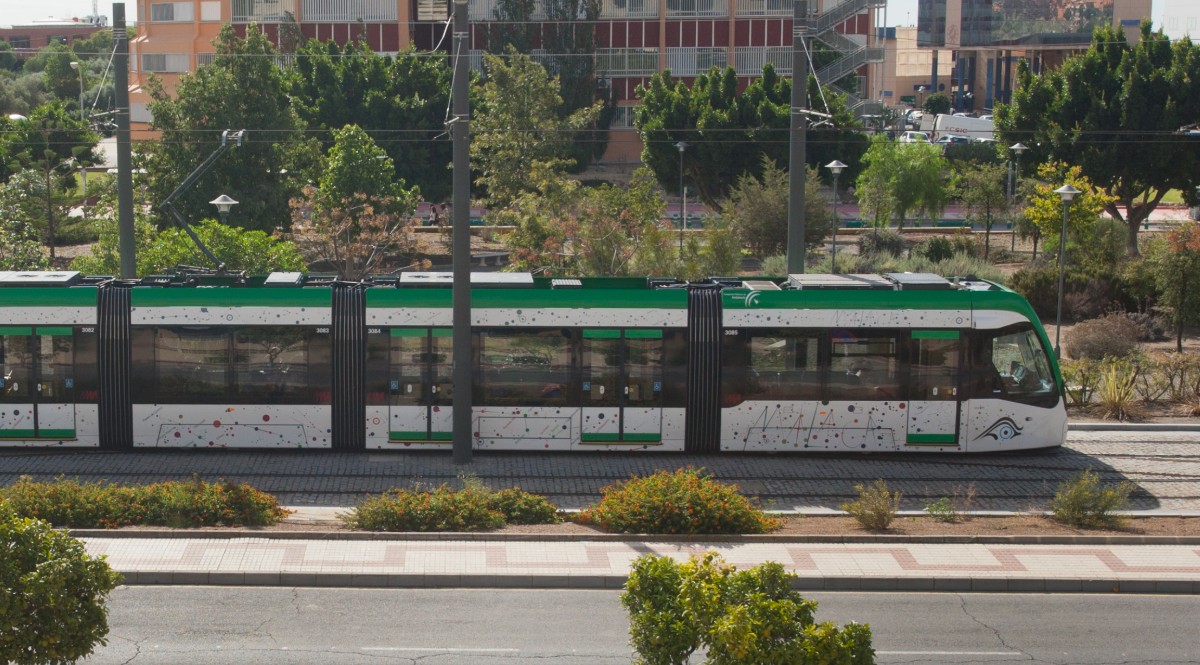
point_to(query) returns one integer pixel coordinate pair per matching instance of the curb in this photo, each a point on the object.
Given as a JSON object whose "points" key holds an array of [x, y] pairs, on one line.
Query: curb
{"points": [[1133, 427], [614, 582]]}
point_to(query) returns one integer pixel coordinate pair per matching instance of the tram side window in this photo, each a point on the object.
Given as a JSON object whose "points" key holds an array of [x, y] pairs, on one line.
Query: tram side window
{"points": [[1012, 364], [526, 367], [281, 365], [180, 365], [784, 366], [864, 365], [16, 367]]}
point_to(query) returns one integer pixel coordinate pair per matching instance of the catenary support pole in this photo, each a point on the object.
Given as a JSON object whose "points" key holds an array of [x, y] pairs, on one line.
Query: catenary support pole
{"points": [[126, 245], [460, 130], [798, 128]]}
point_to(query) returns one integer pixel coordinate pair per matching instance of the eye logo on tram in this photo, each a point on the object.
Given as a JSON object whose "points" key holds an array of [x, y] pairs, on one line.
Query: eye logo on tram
{"points": [[1002, 430]]}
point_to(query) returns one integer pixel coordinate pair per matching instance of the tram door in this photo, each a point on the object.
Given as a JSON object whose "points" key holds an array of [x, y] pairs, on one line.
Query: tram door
{"points": [[933, 409], [37, 388], [421, 384], [622, 387]]}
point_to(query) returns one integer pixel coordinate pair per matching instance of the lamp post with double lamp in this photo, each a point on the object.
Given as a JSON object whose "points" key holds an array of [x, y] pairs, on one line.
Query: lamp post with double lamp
{"points": [[1067, 193], [834, 167], [682, 145], [1017, 149], [79, 68], [223, 203]]}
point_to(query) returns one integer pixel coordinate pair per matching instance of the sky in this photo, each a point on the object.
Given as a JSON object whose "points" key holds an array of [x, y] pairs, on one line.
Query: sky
{"points": [[900, 12]]}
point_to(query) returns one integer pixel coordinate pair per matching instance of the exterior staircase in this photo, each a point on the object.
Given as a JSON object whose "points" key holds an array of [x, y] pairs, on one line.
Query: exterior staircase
{"points": [[852, 54]]}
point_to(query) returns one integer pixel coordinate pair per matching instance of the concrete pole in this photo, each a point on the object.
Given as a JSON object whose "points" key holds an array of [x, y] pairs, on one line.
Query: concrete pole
{"points": [[461, 192], [798, 128], [126, 244]]}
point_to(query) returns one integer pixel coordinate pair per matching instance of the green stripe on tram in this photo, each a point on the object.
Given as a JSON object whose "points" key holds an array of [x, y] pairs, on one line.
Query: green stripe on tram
{"points": [[601, 333], [420, 435], [931, 439], [16, 331], [64, 331], [56, 434], [935, 334], [651, 437]]}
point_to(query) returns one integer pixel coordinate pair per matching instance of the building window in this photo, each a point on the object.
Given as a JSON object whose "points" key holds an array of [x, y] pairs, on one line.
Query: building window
{"points": [[165, 62], [263, 11], [210, 10], [18, 42], [171, 11]]}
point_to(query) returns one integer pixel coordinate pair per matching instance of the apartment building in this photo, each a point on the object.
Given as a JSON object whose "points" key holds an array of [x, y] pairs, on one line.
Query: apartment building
{"points": [[634, 39]]}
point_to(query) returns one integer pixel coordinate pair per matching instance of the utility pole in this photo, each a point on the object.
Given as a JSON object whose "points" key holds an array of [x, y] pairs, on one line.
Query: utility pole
{"points": [[461, 191], [124, 146], [797, 132]]}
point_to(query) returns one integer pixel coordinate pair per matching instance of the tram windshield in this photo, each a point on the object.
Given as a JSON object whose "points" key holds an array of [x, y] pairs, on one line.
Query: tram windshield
{"points": [[1012, 364]]}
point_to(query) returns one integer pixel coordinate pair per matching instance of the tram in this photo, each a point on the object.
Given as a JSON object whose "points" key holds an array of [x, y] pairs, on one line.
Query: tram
{"points": [[863, 363]]}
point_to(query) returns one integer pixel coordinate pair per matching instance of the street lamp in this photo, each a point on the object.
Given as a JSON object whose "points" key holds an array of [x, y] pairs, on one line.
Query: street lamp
{"points": [[223, 203], [682, 145], [834, 167], [75, 65], [1067, 193], [1017, 149]]}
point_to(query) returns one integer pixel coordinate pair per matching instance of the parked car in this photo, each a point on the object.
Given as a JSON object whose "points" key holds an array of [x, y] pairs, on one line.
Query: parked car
{"points": [[947, 139], [914, 137]]}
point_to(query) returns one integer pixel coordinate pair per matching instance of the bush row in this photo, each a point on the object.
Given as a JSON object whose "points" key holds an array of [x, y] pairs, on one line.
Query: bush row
{"points": [[70, 503], [1119, 387], [681, 502]]}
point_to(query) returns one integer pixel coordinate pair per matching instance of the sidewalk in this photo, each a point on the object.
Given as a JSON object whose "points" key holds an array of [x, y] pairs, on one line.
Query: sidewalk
{"points": [[1029, 565]]}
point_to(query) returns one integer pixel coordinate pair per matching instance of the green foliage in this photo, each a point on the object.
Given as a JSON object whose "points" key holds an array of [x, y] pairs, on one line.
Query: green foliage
{"points": [[685, 501], [1117, 89], [521, 507], [983, 191], [53, 606], [19, 246], [518, 128], [1117, 396], [757, 209], [730, 132], [442, 509], [1175, 264], [1081, 377], [875, 507], [70, 503], [938, 102], [334, 86], [1037, 283], [942, 510], [241, 89], [1083, 502], [46, 141], [899, 178], [354, 166], [890, 243], [748, 617], [1113, 335], [937, 248]]}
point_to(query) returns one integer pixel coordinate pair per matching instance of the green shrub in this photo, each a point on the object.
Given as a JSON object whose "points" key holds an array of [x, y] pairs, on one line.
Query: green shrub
{"points": [[442, 509], [1082, 502], [875, 507], [942, 510], [679, 502], [1111, 336], [1081, 376], [1117, 395], [890, 243], [937, 248], [70, 503], [521, 507], [748, 617], [52, 607], [1039, 285]]}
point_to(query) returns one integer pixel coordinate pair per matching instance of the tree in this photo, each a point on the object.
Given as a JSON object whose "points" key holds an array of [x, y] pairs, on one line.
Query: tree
{"points": [[900, 178], [938, 102], [728, 131], [53, 607], [50, 135], [1108, 111], [358, 215], [518, 127], [1176, 266], [1087, 249], [982, 190], [757, 209], [19, 245], [400, 102], [241, 89], [38, 199]]}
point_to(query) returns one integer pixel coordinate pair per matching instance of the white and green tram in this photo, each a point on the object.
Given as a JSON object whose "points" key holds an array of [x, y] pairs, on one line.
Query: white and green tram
{"points": [[898, 362]]}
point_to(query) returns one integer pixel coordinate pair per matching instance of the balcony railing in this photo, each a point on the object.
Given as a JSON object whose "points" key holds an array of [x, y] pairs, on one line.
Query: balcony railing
{"points": [[617, 9], [764, 7], [348, 11], [627, 61], [750, 59], [693, 60], [689, 8], [262, 11]]}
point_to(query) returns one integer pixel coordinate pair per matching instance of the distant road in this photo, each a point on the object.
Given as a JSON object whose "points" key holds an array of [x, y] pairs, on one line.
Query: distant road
{"points": [[216, 626]]}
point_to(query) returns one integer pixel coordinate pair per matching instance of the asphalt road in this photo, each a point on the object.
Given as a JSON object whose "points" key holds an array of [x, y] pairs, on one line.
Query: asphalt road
{"points": [[213, 625], [1164, 465]]}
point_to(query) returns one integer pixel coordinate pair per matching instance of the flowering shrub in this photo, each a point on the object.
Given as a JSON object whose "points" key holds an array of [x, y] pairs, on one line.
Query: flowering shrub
{"points": [[521, 507], [679, 502], [442, 509], [70, 503]]}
